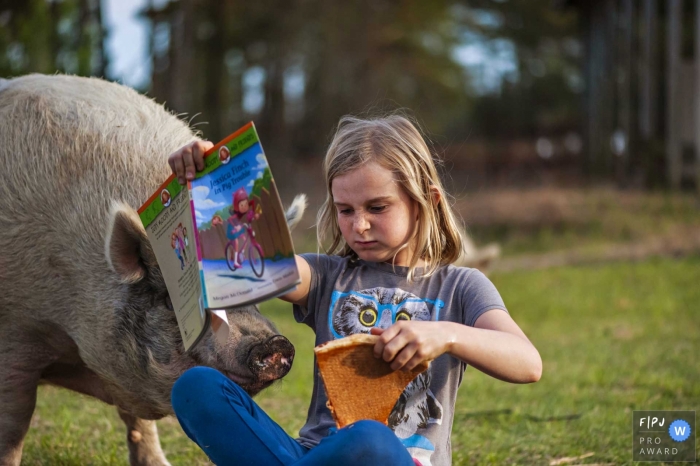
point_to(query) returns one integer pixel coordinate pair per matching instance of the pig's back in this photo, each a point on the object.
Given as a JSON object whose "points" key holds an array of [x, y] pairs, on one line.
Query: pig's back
{"points": [[68, 147]]}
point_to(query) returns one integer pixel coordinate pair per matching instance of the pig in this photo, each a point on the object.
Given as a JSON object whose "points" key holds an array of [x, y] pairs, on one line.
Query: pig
{"points": [[83, 304]]}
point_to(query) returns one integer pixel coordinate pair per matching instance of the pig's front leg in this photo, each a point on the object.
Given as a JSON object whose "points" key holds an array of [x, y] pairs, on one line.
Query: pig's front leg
{"points": [[142, 438], [18, 383]]}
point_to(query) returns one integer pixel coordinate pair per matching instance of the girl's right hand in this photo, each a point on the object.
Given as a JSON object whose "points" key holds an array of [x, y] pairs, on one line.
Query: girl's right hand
{"points": [[187, 159]]}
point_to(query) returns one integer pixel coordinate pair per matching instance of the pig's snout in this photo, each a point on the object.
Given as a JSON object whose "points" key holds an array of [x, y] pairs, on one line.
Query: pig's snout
{"points": [[272, 359]]}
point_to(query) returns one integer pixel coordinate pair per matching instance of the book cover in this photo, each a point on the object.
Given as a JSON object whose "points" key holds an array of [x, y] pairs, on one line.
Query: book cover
{"points": [[222, 241], [244, 247], [167, 218]]}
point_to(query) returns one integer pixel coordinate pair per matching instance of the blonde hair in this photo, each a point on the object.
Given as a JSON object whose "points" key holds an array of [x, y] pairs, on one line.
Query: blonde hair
{"points": [[396, 144]]}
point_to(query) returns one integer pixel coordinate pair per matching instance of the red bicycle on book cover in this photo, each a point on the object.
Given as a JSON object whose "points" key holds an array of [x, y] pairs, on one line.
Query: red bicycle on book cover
{"points": [[242, 245]]}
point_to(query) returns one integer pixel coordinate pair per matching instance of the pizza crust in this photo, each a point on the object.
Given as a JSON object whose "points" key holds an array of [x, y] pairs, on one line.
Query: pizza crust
{"points": [[358, 385]]}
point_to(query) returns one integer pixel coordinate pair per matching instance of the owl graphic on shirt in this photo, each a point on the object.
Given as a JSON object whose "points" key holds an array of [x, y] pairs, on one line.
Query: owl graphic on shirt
{"points": [[357, 312]]}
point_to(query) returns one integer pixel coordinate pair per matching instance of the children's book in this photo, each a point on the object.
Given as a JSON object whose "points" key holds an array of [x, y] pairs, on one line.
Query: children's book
{"points": [[222, 241]]}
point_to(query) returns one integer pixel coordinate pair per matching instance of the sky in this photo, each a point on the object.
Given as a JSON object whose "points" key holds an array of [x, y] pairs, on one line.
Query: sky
{"points": [[127, 43], [127, 46]]}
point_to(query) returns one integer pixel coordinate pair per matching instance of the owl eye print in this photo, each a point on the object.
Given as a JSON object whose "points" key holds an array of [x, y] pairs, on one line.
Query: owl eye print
{"points": [[358, 312], [368, 316]]}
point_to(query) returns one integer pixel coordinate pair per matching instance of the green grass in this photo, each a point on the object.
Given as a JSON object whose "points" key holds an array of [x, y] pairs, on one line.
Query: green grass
{"points": [[613, 338]]}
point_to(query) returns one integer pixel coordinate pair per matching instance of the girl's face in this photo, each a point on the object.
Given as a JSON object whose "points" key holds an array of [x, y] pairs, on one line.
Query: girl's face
{"points": [[224, 153], [243, 206], [375, 213]]}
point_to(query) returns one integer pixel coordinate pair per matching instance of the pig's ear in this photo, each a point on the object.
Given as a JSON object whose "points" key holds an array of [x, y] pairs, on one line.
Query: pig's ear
{"points": [[124, 243]]}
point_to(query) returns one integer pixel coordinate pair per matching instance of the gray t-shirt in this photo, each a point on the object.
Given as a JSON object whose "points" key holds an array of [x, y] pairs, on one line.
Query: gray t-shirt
{"points": [[351, 296]]}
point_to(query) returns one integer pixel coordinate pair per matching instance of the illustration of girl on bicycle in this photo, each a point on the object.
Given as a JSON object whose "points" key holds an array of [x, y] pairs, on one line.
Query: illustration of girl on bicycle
{"points": [[243, 211]]}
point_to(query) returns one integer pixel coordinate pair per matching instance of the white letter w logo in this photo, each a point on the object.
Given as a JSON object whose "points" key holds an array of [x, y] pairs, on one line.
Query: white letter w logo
{"points": [[680, 430]]}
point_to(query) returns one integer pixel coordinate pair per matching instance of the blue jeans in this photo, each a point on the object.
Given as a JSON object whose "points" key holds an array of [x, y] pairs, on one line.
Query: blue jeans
{"points": [[231, 428]]}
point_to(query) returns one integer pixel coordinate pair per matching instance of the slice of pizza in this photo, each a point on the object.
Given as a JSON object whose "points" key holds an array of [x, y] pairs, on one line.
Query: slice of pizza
{"points": [[358, 385]]}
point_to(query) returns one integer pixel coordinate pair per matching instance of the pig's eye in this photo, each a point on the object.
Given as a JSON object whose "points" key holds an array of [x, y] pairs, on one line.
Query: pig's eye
{"points": [[368, 316], [168, 303]]}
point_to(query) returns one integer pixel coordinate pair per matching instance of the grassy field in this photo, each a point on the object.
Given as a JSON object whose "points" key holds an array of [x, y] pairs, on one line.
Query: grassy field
{"points": [[613, 338]]}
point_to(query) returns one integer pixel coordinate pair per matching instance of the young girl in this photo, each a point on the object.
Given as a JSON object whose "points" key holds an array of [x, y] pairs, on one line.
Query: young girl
{"points": [[242, 212], [175, 244], [392, 238]]}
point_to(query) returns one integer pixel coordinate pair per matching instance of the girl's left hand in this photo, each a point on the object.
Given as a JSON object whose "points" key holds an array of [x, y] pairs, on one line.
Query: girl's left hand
{"points": [[408, 343]]}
